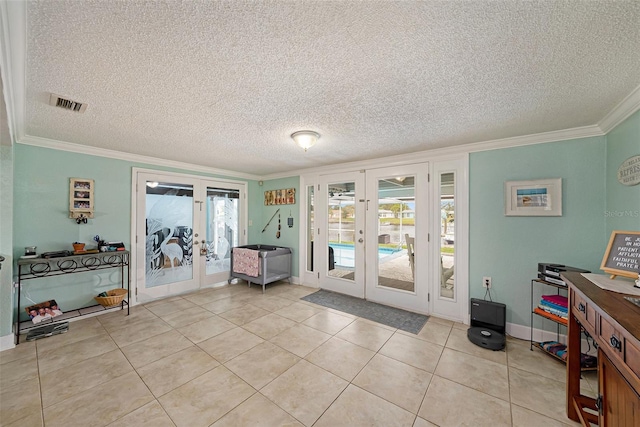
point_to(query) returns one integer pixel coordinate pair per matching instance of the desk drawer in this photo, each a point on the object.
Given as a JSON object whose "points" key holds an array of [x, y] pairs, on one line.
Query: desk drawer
{"points": [[632, 355], [586, 312], [611, 337]]}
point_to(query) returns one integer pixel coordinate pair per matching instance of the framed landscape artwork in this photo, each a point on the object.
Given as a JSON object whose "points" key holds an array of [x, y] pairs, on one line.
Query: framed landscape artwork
{"points": [[542, 197]]}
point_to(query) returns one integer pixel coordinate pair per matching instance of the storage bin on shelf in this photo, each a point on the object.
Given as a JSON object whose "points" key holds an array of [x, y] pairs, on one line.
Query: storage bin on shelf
{"points": [[114, 297]]}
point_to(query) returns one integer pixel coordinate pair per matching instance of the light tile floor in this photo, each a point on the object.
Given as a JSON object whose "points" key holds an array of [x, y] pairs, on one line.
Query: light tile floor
{"points": [[233, 356]]}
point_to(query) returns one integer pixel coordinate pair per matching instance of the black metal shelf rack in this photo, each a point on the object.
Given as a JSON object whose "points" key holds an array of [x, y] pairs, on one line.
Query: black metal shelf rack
{"points": [[36, 268]]}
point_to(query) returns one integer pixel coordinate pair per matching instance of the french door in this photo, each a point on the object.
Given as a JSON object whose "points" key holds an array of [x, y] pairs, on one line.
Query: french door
{"points": [[339, 215], [387, 201], [397, 236], [184, 230], [413, 252]]}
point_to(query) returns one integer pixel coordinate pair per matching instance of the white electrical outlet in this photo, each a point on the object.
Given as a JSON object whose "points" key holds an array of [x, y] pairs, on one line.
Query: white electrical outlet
{"points": [[486, 282]]}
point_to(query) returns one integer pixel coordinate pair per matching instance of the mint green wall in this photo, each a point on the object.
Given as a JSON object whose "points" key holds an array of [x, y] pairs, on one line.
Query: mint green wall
{"points": [[509, 248], [41, 210], [256, 204], [505, 248], [623, 202], [6, 237], [289, 237]]}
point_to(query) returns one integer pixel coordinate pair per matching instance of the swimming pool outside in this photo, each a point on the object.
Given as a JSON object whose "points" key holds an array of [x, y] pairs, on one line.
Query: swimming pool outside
{"points": [[344, 254]]}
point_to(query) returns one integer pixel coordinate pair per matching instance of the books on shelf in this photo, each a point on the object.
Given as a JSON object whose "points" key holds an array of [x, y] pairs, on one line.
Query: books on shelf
{"points": [[556, 305]]}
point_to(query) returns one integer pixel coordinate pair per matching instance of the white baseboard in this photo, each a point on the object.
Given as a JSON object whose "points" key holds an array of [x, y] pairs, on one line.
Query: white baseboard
{"points": [[6, 342], [524, 333]]}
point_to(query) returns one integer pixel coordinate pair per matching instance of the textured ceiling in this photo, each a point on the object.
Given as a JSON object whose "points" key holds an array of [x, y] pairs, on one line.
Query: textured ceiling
{"points": [[223, 84]]}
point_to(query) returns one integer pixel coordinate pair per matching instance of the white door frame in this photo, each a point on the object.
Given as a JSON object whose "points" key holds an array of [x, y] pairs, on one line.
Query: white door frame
{"points": [[457, 308], [138, 237]]}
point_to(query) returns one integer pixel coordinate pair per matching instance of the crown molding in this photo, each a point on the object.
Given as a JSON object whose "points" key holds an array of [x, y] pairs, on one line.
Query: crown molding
{"points": [[621, 112], [119, 155], [536, 138], [444, 153]]}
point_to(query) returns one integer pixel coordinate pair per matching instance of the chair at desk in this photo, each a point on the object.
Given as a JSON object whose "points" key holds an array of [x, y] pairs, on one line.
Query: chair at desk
{"points": [[411, 253]]}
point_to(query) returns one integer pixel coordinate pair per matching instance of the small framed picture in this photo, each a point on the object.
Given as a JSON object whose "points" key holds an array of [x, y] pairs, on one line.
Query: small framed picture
{"points": [[43, 311], [81, 184], [542, 197]]}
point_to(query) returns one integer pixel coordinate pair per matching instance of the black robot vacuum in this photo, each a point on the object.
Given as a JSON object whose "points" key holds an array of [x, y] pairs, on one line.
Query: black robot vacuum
{"points": [[487, 324]]}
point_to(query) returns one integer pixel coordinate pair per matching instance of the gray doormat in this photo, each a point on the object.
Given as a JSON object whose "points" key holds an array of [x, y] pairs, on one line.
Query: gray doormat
{"points": [[394, 317]]}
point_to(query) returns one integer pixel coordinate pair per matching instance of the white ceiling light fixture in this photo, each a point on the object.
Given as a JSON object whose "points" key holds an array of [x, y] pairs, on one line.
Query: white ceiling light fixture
{"points": [[305, 138]]}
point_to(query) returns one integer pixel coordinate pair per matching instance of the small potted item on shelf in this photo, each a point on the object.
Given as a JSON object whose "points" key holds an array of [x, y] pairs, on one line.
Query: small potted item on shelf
{"points": [[79, 249]]}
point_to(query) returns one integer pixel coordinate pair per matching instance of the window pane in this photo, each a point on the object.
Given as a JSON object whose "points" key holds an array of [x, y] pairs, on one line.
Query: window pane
{"points": [[396, 233], [222, 228], [310, 228], [447, 230], [341, 230]]}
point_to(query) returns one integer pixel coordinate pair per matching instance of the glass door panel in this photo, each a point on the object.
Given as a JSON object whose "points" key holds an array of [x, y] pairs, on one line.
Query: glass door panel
{"points": [[185, 229], [450, 275], [447, 235], [397, 236], [222, 225], [169, 243], [168, 220], [340, 251], [310, 227], [341, 234], [396, 232]]}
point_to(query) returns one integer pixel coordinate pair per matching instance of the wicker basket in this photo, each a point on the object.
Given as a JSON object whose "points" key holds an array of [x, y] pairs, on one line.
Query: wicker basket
{"points": [[115, 297]]}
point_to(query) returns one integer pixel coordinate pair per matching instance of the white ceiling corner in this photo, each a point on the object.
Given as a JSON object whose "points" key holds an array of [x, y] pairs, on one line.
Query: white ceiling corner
{"points": [[629, 105], [221, 86]]}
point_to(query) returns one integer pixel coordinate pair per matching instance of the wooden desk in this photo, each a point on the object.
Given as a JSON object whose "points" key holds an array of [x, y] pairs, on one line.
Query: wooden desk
{"points": [[614, 324]]}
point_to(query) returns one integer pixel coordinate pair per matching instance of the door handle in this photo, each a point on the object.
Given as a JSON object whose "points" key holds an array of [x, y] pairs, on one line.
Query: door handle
{"points": [[360, 240]]}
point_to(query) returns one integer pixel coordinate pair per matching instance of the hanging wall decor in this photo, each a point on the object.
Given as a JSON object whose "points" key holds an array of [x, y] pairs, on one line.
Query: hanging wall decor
{"points": [[280, 197], [629, 171], [81, 199], [542, 197]]}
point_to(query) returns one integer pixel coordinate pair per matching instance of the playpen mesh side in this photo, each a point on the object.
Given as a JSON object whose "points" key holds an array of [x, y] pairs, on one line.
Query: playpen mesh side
{"points": [[278, 265]]}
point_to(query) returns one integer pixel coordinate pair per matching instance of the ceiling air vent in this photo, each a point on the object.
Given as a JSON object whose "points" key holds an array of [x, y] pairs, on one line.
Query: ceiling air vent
{"points": [[67, 104]]}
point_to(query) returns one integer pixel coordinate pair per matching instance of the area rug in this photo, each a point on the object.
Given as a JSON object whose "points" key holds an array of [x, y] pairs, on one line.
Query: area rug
{"points": [[390, 316]]}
